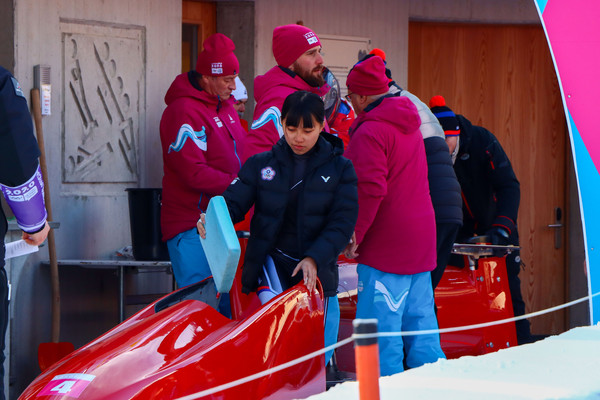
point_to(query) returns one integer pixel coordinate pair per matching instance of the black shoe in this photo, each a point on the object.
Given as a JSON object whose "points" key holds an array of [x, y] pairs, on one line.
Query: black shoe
{"points": [[335, 376], [531, 339]]}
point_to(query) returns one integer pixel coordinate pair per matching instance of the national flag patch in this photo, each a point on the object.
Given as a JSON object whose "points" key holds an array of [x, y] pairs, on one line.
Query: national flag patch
{"points": [[267, 174]]}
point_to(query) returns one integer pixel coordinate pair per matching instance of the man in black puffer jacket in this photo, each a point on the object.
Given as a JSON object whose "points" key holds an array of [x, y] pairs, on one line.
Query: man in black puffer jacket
{"points": [[491, 194], [443, 185], [444, 188]]}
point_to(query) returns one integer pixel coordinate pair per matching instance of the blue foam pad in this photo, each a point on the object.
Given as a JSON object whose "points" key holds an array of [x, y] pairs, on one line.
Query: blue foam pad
{"points": [[221, 245]]}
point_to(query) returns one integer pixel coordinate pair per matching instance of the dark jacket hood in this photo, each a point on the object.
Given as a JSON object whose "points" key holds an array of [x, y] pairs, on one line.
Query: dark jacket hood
{"points": [[465, 139]]}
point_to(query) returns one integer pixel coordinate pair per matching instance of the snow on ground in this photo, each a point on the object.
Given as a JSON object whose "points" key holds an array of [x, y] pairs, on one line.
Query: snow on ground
{"points": [[566, 366]]}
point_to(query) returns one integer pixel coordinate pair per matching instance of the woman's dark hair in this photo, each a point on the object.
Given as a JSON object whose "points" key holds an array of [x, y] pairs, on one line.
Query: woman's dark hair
{"points": [[302, 106]]}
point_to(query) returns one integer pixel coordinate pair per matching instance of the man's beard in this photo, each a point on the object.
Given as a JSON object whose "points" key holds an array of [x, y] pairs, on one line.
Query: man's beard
{"points": [[308, 77]]}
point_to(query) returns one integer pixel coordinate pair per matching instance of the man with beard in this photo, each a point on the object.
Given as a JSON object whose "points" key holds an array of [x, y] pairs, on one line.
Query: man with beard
{"points": [[297, 51]]}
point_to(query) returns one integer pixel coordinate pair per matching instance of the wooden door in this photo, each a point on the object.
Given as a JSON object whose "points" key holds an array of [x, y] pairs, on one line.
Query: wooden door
{"points": [[199, 22], [502, 77]]}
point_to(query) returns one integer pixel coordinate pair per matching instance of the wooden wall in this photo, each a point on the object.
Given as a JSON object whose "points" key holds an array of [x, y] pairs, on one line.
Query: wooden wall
{"points": [[502, 77]]}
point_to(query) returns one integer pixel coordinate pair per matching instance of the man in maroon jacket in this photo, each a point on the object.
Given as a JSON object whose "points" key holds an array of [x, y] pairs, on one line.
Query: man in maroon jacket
{"points": [[394, 241], [201, 137]]}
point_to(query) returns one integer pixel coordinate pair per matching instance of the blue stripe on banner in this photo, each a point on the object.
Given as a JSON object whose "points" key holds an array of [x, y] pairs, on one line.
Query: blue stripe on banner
{"points": [[589, 189], [542, 5], [443, 114]]}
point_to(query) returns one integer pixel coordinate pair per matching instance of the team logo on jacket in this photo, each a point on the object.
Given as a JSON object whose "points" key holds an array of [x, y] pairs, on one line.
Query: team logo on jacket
{"points": [[187, 132], [231, 120], [18, 90], [218, 122], [267, 174], [311, 37], [216, 68], [392, 302], [271, 114]]}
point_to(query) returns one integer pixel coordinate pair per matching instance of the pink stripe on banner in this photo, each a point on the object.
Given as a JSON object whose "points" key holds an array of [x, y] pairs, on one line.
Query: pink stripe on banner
{"points": [[573, 28]]}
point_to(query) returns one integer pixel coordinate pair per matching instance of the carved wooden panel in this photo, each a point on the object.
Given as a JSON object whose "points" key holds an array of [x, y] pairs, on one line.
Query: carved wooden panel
{"points": [[103, 87]]}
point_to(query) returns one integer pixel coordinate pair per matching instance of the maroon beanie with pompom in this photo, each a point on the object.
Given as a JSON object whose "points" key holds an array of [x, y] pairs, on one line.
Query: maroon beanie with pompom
{"points": [[217, 58], [367, 78], [291, 41]]}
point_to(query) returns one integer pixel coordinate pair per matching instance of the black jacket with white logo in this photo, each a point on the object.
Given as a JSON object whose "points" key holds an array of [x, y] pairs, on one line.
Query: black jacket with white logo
{"points": [[327, 206]]}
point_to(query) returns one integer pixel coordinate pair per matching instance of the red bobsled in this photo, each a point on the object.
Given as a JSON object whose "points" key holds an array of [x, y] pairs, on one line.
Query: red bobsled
{"points": [[465, 296], [181, 345]]}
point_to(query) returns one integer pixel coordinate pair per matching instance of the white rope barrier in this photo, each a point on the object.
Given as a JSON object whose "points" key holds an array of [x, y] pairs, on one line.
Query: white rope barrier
{"points": [[482, 325], [354, 336], [265, 372]]}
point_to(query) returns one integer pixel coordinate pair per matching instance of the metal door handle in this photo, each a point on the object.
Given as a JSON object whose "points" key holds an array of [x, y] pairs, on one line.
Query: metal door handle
{"points": [[557, 225]]}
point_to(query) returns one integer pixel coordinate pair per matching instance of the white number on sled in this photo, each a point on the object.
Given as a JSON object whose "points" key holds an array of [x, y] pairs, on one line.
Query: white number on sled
{"points": [[64, 387]]}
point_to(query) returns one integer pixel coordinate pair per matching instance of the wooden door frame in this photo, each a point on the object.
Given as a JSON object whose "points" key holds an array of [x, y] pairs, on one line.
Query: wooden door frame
{"points": [[203, 14]]}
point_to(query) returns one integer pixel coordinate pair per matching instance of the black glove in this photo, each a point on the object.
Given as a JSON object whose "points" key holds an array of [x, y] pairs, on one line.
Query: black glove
{"points": [[498, 236]]}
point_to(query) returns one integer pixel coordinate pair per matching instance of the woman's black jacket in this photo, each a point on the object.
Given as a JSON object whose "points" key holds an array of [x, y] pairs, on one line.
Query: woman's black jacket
{"points": [[327, 206]]}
